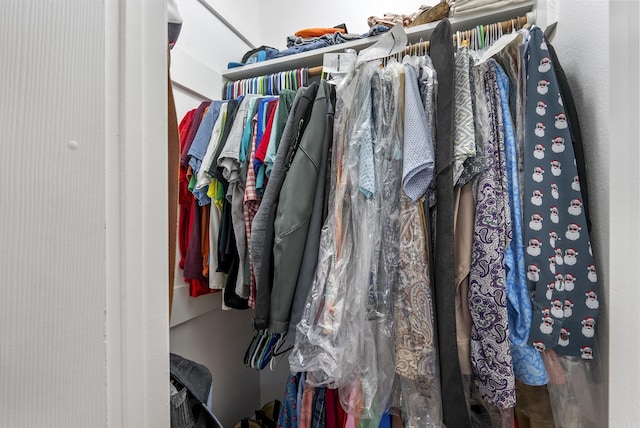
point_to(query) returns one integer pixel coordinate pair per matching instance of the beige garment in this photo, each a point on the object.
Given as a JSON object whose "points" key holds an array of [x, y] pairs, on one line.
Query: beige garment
{"points": [[436, 13], [464, 214], [391, 19], [533, 406]]}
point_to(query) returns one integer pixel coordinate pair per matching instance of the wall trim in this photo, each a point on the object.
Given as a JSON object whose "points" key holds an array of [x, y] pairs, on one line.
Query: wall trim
{"points": [[137, 322]]}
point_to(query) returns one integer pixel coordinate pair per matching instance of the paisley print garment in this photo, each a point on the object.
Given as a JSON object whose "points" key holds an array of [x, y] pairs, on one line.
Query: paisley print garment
{"points": [[490, 353]]}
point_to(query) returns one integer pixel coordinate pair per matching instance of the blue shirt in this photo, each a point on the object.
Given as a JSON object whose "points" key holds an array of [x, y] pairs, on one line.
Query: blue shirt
{"points": [[199, 146], [527, 362]]}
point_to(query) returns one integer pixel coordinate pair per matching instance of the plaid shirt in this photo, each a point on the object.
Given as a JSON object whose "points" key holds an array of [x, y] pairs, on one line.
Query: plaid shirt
{"points": [[251, 204]]}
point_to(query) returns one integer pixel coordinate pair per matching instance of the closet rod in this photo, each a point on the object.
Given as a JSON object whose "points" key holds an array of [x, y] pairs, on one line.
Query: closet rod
{"points": [[507, 26], [311, 72], [314, 71]]}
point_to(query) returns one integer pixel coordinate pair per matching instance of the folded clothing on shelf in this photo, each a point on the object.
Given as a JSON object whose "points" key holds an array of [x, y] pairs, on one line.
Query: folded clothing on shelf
{"points": [[297, 44]]}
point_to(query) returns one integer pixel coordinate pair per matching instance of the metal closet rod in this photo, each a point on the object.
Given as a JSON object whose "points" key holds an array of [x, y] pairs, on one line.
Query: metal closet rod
{"points": [[507, 26]]}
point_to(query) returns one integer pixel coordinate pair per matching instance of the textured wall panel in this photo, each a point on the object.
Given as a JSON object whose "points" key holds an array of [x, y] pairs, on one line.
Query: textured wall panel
{"points": [[52, 245]]}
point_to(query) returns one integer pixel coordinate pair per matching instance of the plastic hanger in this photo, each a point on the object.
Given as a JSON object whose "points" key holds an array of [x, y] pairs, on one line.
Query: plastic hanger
{"points": [[495, 32], [252, 346], [277, 352]]}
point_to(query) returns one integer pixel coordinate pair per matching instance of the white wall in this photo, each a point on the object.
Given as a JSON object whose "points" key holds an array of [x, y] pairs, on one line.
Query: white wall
{"points": [[599, 45], [591, 95], [206, 45], [52, 181], [282, 18], [624, 210]]}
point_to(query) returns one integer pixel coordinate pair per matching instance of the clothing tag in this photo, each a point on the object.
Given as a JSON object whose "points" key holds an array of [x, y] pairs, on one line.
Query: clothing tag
{"points": [[391, 43], [338, 63]]}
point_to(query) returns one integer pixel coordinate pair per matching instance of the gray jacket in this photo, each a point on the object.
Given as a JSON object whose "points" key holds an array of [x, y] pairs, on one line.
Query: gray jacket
{"points": [[312, 244], [294, 212], [262, 229]]}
